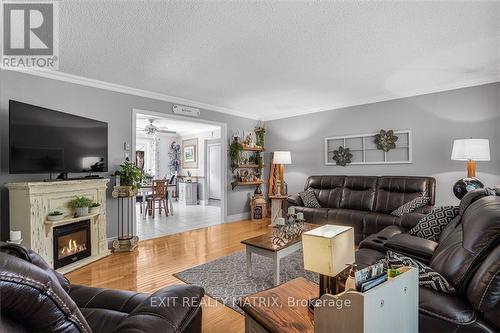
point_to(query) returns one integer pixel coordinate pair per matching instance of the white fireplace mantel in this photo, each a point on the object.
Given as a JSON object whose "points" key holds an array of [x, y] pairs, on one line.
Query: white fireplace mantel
{"points": [[31, 202]]}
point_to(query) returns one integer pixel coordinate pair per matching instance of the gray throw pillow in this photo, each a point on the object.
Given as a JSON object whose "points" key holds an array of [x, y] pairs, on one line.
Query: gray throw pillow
{"points": [[309, 199], [427, 277], [431, 226], [410, 206]]}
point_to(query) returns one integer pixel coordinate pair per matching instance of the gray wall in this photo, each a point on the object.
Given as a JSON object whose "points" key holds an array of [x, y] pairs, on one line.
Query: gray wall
{"points": [[435, 120], [112, 107]]}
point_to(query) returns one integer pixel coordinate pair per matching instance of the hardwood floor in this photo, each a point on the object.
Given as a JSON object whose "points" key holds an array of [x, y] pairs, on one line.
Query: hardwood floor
{"points": [[152, 265]]}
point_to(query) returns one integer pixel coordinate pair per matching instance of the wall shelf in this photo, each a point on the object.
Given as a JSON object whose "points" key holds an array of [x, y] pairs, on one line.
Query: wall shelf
{"points": [[252, 149], [69, 220], [234, 184]]}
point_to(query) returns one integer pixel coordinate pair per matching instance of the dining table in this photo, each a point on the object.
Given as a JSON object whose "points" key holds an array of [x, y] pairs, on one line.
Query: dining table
{"points": [[146, 189]]}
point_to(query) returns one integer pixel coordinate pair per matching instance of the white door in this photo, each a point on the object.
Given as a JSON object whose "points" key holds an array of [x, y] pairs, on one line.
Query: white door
{"points": [[214, 171]]}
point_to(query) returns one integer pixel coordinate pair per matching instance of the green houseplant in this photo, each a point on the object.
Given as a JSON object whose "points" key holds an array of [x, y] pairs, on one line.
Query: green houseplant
{"points": [[235, 150], [80, 205], [94, 208], [55, 215], [130, 175]]}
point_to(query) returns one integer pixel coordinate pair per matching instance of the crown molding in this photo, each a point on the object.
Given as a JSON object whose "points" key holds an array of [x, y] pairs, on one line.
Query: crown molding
{"points": [[384, 98], [84, 81], [61, 76]]}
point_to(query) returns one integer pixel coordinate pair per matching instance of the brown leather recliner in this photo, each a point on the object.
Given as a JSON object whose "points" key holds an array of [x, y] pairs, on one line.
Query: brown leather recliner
{"points": [[364, 202], [468, 256], [34, 297]]}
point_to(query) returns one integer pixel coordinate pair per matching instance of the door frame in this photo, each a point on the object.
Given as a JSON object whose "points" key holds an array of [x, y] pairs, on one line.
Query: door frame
{"points": [[208, 143], [224, 148]]}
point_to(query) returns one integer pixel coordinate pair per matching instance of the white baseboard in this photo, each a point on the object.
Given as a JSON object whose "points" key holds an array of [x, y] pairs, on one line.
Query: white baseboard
{"points": [[237, 217]]}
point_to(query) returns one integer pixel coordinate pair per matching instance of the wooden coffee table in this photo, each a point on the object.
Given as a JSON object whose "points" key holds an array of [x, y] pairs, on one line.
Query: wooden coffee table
{"points": [[283, 309], [263, 245]]}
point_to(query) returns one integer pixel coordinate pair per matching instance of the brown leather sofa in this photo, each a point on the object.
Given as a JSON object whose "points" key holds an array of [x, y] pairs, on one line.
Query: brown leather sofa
{"points": [[35, 298], [364, 202], [467, 255]]}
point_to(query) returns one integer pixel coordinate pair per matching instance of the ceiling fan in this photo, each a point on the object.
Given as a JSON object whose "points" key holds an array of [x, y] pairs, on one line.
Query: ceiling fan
{"points": [[152, 130]]}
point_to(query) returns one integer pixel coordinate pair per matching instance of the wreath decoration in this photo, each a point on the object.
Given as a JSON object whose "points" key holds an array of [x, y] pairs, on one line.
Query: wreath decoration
{"points": [[342, 156], [386, 140]]}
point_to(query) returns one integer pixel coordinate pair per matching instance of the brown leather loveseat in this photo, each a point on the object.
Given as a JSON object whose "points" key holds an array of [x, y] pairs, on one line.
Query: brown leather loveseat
{"points": [[35, 298], [364, 202]]}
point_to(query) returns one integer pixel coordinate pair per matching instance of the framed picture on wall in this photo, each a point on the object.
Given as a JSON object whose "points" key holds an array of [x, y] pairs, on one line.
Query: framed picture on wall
{"points": [[190, 154]]}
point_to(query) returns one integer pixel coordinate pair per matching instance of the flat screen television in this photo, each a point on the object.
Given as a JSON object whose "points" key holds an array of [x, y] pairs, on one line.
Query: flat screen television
{"points": [[49, 141]]}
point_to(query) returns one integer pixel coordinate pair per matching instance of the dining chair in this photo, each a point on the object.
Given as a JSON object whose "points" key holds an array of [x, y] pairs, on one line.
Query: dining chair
{"points": [[159, 194]]}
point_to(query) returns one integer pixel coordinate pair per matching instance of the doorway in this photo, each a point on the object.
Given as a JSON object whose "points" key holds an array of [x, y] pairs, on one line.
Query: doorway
{"points": [[194, 172], [214, 170]]}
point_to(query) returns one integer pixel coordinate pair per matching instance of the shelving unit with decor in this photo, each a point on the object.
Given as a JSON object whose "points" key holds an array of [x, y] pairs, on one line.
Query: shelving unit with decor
{"points": [[245, 156]]}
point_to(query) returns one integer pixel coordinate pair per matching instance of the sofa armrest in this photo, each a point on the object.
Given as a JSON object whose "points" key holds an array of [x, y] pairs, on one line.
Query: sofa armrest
{"points": [[171, 309], [109, 299], [294, 200], [410, 220], [414, 247]]}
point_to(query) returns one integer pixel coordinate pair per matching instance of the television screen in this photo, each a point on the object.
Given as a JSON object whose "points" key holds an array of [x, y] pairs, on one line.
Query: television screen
{"points": [[49, 141]]}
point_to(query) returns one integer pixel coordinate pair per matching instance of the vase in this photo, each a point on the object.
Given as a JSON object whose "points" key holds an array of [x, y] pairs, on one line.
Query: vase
{"points": [[94, 210], [463, 186], [82, 211]]}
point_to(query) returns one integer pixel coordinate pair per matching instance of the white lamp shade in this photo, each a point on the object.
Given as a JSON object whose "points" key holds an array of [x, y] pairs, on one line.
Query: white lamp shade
{"points": [[328, 249], [282, 157], [471, 149]]}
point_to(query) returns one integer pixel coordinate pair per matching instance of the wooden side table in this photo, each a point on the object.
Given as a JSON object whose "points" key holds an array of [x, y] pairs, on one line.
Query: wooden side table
{"points": [[283, 309], [276, 206]]}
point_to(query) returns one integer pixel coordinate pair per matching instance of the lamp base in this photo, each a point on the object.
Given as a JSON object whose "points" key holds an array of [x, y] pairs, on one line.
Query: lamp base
{"points": [[465, 185], [327, 285]]}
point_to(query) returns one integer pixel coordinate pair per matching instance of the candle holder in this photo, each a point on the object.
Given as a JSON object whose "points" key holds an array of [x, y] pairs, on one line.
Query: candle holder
{"points": [[283, 233]]}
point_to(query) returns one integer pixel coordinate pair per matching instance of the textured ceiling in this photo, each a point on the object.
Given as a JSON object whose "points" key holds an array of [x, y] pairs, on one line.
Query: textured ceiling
{"points": [[276, 59]]}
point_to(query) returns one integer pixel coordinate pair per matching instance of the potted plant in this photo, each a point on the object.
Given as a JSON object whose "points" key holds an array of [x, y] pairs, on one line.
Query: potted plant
{"points": [[235, 150], [94, 208], [81, 205], [55, 215], [131, 177]]}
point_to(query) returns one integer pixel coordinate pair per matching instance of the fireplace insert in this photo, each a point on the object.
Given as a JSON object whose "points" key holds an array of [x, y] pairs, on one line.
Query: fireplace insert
{"points": [[71, 243]]}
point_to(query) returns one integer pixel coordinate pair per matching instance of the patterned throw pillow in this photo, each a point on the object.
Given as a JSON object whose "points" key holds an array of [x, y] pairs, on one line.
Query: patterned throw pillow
{"points": [[410, 206], [427, 277], [431, 226], [309, 199]]}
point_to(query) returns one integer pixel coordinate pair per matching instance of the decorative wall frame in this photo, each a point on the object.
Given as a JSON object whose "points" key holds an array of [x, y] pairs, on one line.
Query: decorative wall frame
{"points": [[365, 151], [190, 154]]}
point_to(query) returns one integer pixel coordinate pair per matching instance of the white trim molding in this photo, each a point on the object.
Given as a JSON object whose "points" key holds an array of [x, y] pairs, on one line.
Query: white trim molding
{"points": [[84, 81], [237, 217]]}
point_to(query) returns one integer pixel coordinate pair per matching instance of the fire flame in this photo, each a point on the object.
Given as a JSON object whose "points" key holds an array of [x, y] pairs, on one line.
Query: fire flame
{"points": [[71, 248]]}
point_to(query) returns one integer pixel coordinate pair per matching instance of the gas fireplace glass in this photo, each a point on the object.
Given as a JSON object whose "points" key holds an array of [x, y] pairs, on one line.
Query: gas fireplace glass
{"points": [[71, 243]]}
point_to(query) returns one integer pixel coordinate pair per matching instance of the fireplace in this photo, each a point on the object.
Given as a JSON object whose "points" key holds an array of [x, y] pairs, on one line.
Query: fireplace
{"points": [[71, 243]]}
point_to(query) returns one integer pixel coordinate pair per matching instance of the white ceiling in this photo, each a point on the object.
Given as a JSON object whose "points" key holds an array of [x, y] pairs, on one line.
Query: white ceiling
{"points": [[276, 59], [181, 127]]}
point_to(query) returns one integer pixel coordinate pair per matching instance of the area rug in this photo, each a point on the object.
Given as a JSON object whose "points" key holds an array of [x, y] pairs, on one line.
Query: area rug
{"points": [[225, 279]]}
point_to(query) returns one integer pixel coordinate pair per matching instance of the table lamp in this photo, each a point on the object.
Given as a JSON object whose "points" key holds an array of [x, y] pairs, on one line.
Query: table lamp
{"points": [[470, 150], [327, 251], [280, 158]]}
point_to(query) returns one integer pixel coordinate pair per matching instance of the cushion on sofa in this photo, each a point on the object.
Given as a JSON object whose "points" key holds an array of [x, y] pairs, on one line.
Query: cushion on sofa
{"points": [[359, 193], [309, 199], [431, 226], [411, 206], [427, 277], [328, 189], [375, 222], [394, 191]]}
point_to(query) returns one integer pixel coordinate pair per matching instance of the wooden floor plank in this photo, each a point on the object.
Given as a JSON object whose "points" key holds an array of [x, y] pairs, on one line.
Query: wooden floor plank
{"points": [[152, 266]]}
